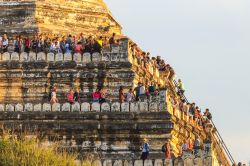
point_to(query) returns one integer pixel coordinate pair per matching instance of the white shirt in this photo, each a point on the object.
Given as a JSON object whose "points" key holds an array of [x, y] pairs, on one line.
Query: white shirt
{"points": [[5, 42], [129, 96]]}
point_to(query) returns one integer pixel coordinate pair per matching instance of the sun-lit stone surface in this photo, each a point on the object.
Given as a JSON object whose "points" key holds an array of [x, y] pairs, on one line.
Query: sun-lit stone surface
{"points": [[57, 16]]}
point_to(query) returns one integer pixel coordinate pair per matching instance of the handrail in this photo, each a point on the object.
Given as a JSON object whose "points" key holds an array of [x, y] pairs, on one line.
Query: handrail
{"points": [[224, 146]]}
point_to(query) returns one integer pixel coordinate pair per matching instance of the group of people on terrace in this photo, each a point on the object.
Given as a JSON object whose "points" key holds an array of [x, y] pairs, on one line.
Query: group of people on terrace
{"points": [[190, 110], [55, 43], [188, 147], [157, 62], [98, 95]]}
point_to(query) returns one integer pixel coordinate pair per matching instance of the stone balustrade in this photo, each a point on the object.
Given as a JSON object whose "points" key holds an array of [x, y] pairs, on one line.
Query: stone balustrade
{"points": [[86, 107], [113, 55], [188, 161]]}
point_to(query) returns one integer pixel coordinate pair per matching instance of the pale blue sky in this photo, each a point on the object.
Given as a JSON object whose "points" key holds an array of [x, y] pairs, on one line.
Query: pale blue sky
{"points": [[207, 42]]}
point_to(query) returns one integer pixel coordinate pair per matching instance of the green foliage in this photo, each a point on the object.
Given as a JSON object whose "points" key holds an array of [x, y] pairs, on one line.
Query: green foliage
{"points": [[28, 152]]}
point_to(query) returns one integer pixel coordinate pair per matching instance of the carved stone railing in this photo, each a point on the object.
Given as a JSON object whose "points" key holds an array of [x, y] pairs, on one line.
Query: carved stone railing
{"points": [[189, 161], [59, 57], [86, 107]]}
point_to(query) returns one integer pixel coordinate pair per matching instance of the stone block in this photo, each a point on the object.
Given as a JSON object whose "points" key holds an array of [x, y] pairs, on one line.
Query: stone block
{"points": [[28, 107], [2, 108], [107, 163], [38, 107], [153, 107], [86, 58], [115, 107], [139, 163], [128, 163], [50, 57], [115, 49], [198, 161], [178, 162], [15, 56], [159, 162], [24, 57], [76, 107], [189, 161], [168, 162], [118, 163], [6, 56], [59, 57], [148, 163], [46, 107], [77, 57], [85, 107], [163, 106], [41, 56], [114, 57], [125, 107], [9, 108], [56, 107], [66, 107], [96, 57], [105, 57], [105, 107], [67, 57], [134, 107], [19, 107], [32, 56], [95, 107], [143, 106], [97, 163]]}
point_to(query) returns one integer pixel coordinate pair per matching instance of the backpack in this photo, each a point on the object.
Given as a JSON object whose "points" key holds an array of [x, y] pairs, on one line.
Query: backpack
{"points": [[163, 148]]}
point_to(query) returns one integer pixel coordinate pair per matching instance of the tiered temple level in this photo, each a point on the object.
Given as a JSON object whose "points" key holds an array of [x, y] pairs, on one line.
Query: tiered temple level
{"points": [[111, 130], [57, 16]]}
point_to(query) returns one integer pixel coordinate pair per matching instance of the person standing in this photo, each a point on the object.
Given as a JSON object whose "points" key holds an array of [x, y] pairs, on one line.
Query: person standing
{"points": [[166, 148], [180, 87], [197, 146], [5, 43], [145, 150], [53, 99], [121, 95]]}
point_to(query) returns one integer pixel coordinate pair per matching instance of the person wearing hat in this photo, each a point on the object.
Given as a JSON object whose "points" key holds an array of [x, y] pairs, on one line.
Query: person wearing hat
{"points": [[145, 150]]}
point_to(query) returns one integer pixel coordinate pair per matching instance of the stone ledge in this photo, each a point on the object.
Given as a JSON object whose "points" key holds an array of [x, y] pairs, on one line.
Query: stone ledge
{"points": [[157, 106]]}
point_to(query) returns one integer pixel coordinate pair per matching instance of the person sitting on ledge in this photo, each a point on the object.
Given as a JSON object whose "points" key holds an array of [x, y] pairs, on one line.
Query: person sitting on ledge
{"points": [[70, 97], [27, 45], [130, 96], [5, 43], [79, 48], [98, 96]]}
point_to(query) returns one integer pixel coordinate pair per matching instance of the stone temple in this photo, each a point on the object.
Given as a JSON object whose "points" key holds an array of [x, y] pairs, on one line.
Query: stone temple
{"points": [[111, 132]]}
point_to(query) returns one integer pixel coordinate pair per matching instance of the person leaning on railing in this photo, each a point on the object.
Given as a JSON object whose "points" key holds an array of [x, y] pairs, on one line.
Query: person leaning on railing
{"points": [[57, 43]]}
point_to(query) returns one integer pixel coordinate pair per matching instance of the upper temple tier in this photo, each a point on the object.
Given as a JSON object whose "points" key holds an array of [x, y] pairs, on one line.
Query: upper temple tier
{"points": [[57, 17]]}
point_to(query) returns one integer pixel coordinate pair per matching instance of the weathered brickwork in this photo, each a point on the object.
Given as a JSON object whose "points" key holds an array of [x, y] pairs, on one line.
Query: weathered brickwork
{"points": [[58, 16], [112, 132]]}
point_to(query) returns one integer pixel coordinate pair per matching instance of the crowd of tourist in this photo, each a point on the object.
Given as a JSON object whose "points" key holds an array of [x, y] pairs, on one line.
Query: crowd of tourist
{"points": [[156, 62], [55, 43]]}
